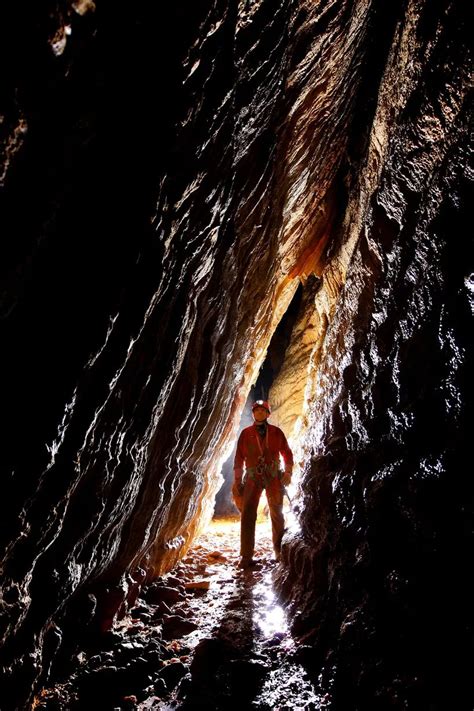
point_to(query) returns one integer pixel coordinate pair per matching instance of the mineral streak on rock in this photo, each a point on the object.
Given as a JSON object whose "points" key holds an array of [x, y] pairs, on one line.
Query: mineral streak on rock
{"points": [[150, 249]]}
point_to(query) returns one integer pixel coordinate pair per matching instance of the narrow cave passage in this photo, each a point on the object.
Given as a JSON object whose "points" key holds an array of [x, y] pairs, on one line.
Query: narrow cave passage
{"points": [[167, 172], [242, 651], [206, 634], [271, 366]]}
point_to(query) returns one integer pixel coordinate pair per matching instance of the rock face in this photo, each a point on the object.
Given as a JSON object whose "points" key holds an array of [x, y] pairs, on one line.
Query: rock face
{"points": [[169, 174], [386, 498]]}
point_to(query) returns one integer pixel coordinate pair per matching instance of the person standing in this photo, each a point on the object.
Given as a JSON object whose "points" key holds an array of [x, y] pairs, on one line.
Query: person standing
{"points": [[258, 449]]}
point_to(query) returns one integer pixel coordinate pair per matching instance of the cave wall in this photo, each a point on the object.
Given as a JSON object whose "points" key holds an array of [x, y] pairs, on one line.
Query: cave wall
{"points": [[384, 594], [169, 173]]}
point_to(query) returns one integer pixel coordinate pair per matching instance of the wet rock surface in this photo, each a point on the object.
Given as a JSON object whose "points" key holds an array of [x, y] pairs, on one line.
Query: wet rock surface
{"points": [[385, 523], [159, 207], [143, 195], [225, 641]]}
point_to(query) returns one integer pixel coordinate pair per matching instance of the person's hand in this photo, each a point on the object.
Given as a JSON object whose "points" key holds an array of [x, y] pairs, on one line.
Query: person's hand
{"points": [[286, 478]]}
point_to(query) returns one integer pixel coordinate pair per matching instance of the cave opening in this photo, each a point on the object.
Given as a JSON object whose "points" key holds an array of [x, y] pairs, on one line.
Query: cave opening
{"points": [[269, 370]]}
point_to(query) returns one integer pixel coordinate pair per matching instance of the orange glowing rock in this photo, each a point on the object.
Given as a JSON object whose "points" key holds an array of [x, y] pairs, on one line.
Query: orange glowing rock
{"points": [[198, 585]]}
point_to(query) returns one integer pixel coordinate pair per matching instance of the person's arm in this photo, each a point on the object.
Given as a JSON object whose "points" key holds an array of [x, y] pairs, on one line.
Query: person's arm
{"points": [[287, 455], [239, 465]]}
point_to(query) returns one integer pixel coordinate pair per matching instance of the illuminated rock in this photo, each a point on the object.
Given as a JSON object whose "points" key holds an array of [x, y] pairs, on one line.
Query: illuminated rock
{"points": [[169, 174]]}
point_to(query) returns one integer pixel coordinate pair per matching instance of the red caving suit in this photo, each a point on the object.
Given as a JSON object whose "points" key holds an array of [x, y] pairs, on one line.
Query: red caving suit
{"points": [[261, 456]]}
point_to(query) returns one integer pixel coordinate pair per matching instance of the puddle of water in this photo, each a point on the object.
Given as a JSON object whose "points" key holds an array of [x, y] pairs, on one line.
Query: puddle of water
{"points": [[268, 615]]}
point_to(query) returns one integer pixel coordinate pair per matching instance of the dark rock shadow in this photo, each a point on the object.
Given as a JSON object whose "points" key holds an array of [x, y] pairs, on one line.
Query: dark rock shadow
{"points": [[225, 669]]}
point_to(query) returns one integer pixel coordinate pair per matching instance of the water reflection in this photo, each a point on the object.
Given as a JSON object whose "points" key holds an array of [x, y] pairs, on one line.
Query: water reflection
{"points": [[244, 653], [268, 615]]}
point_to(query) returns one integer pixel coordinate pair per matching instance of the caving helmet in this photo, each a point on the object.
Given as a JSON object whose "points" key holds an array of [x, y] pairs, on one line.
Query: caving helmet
{"points": [[262, 403]]}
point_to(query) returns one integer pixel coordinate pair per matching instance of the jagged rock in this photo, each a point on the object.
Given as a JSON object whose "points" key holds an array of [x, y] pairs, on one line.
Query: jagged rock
{"points": [[197, 585], [156, 594], [160, 688], [149, 250], [172, 674], [172, 581], [244, 677], [175, 626], [161, 609], [208, 656]]}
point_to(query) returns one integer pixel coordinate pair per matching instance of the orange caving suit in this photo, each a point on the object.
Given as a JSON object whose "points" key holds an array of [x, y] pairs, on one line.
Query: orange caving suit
{"points": [[261, 456]]}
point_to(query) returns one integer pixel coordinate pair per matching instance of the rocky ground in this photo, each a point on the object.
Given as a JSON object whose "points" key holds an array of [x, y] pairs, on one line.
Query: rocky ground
{"points": [[207, 635]]}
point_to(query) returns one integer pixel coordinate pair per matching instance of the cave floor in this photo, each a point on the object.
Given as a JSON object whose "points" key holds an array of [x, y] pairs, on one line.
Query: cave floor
{"points": [[242, 651], [207, 635]]}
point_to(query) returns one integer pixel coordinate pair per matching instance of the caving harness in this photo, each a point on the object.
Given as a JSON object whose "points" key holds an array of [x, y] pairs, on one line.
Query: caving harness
{"points": [[265, 471]]}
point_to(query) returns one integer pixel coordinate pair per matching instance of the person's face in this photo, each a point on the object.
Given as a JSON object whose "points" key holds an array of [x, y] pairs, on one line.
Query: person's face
{"points": [[260, 414]]}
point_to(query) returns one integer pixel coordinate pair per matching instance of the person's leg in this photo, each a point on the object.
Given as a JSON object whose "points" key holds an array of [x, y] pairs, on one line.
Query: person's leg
{"points": [[248, 518], [274, 492]]}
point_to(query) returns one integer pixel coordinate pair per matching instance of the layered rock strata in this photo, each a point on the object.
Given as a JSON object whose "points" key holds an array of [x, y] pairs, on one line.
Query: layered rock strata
{"points": [[386, 496], [152, 247]]}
